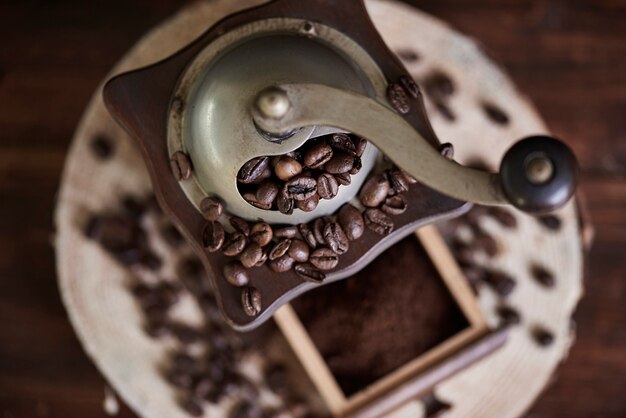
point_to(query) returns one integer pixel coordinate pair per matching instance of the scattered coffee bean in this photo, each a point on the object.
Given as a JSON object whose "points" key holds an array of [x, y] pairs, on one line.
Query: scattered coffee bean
{"points": [[261, 233], [445, 111], [213, 236], [280, 249], [308, 235], [234, 244], [374, 191], [180, 379], [508, 315], [356, 166], [181, 166], [212, 208], [264, 257], [203, 387], [360, 144], [309, 273], [192, 406], [287, 168], [251, 301], [496, 114], [378, 221], [336, 238], [267, 193], [398, 98], [245, 409], [318, 155], [308, 205], [286, 232], [318, 230], [251, 199], [503, 217], [351, 221], [251, 256], [398, 181], [240, 225], [551, 222], [447, 150], [342, 142], [276, 378], [301, 187], [171, 235], [408, 55], [327, 186], [344, 179], [133, 207], [236, 274], [285, 202], [342, 162], [281, 264], [102, 147], [486, 242], [299, 251], [324, 259], [542, 276], [253, 170], [185, 334], [542, 336], [502, 283], [410, 86], [394, 205], [438, 85]]}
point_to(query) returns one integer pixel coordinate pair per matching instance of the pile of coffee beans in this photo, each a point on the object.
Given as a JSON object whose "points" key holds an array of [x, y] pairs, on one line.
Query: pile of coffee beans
{"points": [[300, 179], [204, 364]]}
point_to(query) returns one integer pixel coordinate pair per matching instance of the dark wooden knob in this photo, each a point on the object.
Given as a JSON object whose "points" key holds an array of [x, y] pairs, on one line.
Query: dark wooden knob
{"points": [[538, 174]]}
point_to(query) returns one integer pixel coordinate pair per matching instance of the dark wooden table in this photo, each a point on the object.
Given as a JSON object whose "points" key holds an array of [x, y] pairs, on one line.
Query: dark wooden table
{"points": [[569, 56]]}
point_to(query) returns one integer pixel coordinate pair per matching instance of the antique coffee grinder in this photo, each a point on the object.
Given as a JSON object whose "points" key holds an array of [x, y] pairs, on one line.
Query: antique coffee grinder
{"points": [[291, 147]]}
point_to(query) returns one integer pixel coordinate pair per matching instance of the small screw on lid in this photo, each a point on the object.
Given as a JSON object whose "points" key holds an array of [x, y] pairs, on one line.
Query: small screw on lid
{"points": [[273, 103]]}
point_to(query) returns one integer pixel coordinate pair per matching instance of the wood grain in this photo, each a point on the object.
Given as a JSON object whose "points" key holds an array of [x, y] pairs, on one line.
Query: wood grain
{"points": [[569, 57]]}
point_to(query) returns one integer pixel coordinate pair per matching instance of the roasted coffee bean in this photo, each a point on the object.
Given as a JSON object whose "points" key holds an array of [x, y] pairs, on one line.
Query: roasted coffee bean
{"points": [[240, 225], [251, 199], [203, 387], [309, 273], [344, 179], [508, 315], [318, 155], [336, 238], [438, 85], [280, 249], [251, 301], [281, 264], [192, 406], [133, 207], [253, 170], [542, 276], [542, 336], [394, 205], [192, 273], [186, 334], [487, 243], [171, 235], [286, 168], [318, 230], [410, 86], [398, 98], [356, 166], [212, 208], [378, 221], [236, 274], [308, 235], [150, 260], [324, 259], [502, 283], [285, 203], [351, 221], [374, 191], [301, 187], [410, 178], [342, 142], [308, 205], [267, 193], [156, 328], [503, 217], [184, 362], [276, 378], [180, 165], [251, 256], [342, 162], [551, 222], [179, 378], [359, 145], [102, 147], [115, 233], [447, 151], [261, 233], [234, 244], [213, 236], [327, 186], [286, 232], [245, 409], [496, 114], [398, 181], [264, 257], [299, 251]]}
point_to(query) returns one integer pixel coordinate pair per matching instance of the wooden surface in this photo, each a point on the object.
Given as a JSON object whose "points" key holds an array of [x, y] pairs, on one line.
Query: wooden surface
{"points": [[570, 59]]}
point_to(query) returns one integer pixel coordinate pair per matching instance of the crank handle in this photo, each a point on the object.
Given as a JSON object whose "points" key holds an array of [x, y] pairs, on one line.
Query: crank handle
{"points": [[538, 174]]}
